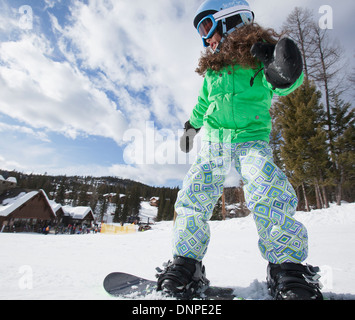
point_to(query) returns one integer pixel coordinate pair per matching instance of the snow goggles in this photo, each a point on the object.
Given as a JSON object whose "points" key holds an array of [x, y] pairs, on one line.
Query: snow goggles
{"points": [[208, 25]]}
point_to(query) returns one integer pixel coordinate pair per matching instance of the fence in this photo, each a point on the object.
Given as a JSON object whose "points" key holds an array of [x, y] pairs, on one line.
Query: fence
{"points": [[112, 229]]}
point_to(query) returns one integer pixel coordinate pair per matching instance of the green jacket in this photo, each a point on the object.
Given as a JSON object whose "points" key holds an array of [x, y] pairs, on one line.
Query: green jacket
{"points": [[233, 111]]}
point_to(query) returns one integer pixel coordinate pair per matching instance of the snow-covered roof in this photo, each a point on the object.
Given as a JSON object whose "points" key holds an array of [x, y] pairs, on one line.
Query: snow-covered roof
{"points": [[12, 180], [55, 206], [111, 194], [11, 204], [77, 212]]}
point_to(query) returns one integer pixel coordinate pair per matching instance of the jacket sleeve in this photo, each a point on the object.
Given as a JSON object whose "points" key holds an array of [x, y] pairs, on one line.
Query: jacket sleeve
{"points": [[283, 92], [196, 118]]}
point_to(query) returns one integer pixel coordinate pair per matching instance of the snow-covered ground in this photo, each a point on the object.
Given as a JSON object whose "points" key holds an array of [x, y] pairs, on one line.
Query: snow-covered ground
{"points": [[147, 212], [73, 266]]}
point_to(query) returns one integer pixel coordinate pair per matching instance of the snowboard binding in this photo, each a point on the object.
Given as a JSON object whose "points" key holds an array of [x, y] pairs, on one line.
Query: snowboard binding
{"points": [[182, 278], [292, 281]]}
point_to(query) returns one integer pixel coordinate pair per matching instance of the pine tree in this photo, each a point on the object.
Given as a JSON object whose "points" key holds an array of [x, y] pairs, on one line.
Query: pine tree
{"points": [[318, 164], [167, 210], [300, 118], [125, 211], [103, 209], [117, 218], [83, 196], [342, 173], [323, 58], [60, 195], [93, 198], [160, 214], [134, 202]]}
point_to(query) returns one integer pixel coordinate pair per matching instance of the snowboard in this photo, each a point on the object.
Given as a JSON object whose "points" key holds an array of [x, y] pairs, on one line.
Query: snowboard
{"points": [[126, 285]]}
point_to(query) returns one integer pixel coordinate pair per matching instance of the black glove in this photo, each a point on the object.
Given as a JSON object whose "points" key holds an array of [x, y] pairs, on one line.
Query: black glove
{"points": [[187, 140], [283, 63]]}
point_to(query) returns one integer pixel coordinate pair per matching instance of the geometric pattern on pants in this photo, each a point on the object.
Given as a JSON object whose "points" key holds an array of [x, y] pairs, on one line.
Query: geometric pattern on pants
{"points": [[269, 196]]}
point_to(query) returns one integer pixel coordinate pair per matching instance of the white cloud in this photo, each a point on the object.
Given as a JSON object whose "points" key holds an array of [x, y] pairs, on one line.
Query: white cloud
{"points": [[9, 164], [51, 3], [53, 95], [25, 150], [7, 22], [150, 47], [40, 135]]}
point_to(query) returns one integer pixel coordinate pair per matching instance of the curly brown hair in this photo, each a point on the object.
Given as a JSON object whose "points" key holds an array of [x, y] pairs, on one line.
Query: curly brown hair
{"points": [[235, 50]]}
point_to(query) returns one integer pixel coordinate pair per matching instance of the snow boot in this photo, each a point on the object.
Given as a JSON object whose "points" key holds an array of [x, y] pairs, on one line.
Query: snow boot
{"points": [[184, 278], [292, 281]]}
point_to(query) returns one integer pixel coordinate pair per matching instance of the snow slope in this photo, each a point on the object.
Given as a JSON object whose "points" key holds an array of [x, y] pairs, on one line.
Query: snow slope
{"points": [[73, 266]]}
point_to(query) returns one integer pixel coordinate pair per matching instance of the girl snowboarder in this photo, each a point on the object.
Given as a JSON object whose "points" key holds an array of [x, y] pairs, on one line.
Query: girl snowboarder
{"points": [[244, 66]]}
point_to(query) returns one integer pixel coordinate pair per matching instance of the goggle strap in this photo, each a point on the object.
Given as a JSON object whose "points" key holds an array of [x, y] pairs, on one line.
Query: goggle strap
{"points": [[224, 26], [225, 34]]}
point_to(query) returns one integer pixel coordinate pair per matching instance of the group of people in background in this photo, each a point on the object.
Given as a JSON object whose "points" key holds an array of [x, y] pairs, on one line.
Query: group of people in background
{"points": [[77, 229]]}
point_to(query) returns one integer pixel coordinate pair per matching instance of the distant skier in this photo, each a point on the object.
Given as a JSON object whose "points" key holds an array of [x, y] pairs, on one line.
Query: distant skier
{"points": [[244, 66]]}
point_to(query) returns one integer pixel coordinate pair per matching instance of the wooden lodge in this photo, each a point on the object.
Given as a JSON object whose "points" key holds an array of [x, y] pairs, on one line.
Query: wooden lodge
{"points": [[31, 211], [26, 212], [77, 215]]}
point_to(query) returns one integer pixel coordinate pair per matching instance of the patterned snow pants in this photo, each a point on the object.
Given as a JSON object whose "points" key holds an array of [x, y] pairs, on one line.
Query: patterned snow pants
{"points": [[269, 196]]}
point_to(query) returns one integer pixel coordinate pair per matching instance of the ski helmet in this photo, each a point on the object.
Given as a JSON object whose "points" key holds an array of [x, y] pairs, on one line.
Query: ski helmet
{"points": [[222, 15]]}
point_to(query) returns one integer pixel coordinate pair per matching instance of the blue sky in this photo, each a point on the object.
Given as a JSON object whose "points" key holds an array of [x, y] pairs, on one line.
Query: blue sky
{"points": [[81, 85]]}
